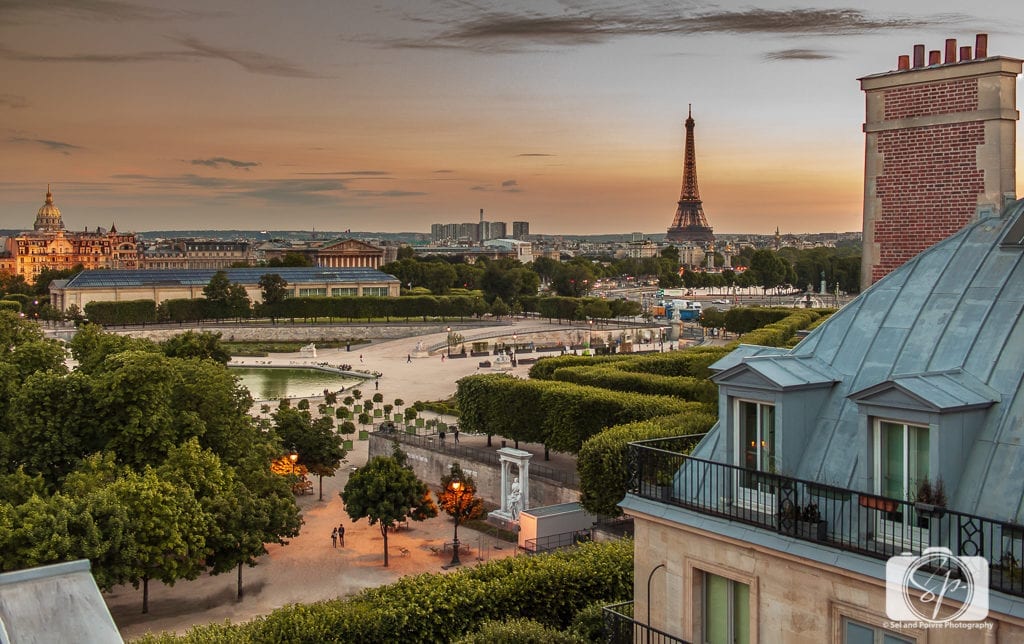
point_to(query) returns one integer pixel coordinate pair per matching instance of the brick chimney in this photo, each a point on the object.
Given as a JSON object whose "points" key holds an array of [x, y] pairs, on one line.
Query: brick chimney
{"points": [[940, 149]]}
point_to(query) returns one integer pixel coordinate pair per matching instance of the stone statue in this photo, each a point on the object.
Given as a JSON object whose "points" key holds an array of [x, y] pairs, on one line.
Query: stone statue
{"points": [[515, 497], [419, 346]]}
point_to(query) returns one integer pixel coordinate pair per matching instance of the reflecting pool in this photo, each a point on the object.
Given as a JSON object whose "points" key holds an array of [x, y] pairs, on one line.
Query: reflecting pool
{"points": [[274, 383]]}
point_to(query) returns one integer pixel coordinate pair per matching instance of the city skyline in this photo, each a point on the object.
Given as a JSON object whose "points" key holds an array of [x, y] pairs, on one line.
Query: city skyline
{"points": [[340, 116]]}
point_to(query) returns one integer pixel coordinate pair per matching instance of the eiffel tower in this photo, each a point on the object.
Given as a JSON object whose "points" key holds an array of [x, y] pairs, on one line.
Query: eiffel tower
{"points": [[689, 224]]}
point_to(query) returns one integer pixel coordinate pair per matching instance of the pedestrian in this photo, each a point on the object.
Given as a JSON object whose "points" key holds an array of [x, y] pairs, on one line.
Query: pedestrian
{"points": [[455, 434], [376, 384], [408, 358], [341, 534], [334, 538], [442, 358], [348, 346], [360, 358]]}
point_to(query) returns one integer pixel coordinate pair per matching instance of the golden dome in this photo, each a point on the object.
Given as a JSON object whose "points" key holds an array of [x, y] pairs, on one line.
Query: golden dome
{"points": [[48, 215]]}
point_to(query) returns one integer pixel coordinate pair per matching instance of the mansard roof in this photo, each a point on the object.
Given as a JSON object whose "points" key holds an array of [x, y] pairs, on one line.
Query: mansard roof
{"points": [[941, 334]]}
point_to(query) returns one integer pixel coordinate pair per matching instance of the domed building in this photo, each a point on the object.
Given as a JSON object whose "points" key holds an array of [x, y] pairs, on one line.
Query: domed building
{"points": [[51, 246]]}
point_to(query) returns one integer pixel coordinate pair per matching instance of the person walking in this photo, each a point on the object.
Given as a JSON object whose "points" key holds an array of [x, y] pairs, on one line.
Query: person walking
{"points": [[360, 358], [455, 434], [376, 384], [341, 534], [408, 358], [334, 538]]}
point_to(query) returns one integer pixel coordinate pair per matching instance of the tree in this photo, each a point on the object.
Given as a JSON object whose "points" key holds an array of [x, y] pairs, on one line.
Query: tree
{"points": [[217, 289], [238, 303], [462, 504], [769, 268], [318, 446], [196, 345], [275, 290], [384, 492], [498, 308]]}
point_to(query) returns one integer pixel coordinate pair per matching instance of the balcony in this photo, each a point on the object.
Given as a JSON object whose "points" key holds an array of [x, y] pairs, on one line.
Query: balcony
{"points": [[621, 628], [867, 524]]}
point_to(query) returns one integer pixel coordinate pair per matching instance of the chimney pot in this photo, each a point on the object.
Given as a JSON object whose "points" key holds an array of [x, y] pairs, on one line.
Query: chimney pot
{"points": [[965, 53], [934, 57], [950, 50], [904, 62], [981, 46], [918, 55]]}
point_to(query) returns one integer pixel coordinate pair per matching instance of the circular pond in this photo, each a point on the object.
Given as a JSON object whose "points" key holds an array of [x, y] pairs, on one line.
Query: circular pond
{"points": [[276, 383]]}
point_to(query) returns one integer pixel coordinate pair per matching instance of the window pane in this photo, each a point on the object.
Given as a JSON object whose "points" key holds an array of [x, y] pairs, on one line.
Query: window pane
{"points": [[891, 441], [748, 434], [767, 438], [716, 609], [741, 613], [858, 633], [917, 468]]}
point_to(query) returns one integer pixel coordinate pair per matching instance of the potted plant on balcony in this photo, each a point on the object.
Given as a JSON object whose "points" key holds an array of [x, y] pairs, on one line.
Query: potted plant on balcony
{"points": [[812, 523], [929, 501]]}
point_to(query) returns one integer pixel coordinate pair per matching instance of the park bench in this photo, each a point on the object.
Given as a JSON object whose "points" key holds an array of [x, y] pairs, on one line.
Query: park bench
{"points": [[303, 486]]}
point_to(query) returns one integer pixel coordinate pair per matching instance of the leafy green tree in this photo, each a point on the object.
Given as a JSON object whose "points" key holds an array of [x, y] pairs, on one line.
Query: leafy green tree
{"points": [[573, 280], [384, 492], [769, 269], [167, 529], [91, 346], [238, 304], [318, 446], [196, 345], [498, 308], [217, 289]]}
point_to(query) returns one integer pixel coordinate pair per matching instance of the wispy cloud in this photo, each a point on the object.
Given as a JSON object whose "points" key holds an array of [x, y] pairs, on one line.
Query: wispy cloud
{"points": [[296, 192], [443, 171], [798, 54], [216, 162], [535, 154], [503, 31], [251, 61], [389, 193], [49, 144], [108, 10], [349, 173], [480, 188], [510, 185], [13, 101]]}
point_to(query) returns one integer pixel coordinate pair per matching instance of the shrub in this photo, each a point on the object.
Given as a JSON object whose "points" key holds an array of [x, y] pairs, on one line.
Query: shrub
{"points": [[519, 631], [685, 387], [604, 472], [551, 588]]}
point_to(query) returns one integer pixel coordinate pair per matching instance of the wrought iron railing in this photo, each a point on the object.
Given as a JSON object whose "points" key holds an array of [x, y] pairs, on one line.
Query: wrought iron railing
{"points": [[556, 541], [621, 628], [868, 524], [567, 478]]}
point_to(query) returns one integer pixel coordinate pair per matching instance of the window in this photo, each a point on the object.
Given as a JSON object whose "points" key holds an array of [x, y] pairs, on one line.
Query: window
{"points": [[755, 452], [901, 462], [726, 617], [339, 292], [379, 291], [858, 633], [901, 454], [312, 292]]}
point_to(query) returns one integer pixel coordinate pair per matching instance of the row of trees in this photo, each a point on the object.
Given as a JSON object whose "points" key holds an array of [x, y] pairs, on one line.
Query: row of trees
{"points": [[145, 459]]}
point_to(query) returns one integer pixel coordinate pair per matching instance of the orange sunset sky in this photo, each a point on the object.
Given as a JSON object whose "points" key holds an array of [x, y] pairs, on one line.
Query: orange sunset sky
{"points": [[390, 115]]}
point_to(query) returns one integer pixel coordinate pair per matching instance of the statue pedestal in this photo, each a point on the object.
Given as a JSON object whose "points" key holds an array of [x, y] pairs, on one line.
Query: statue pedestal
{"points": [[503, 520]]}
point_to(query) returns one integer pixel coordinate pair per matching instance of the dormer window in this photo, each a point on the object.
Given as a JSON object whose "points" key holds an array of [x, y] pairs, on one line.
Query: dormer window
{"points": [[756, 452]]}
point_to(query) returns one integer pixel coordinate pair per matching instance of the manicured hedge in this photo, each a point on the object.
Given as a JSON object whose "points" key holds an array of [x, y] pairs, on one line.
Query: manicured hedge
{"points": [[560, 415], [602, 466], [745, 319], [779, 333], [685, 387], [125, 312], [551, 589]]}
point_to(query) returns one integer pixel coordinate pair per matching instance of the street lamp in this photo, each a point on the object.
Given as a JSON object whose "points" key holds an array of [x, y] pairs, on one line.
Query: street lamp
{"points": [[590, 335], [456, 488], [293, 457], [449, 329], [514, 349]]}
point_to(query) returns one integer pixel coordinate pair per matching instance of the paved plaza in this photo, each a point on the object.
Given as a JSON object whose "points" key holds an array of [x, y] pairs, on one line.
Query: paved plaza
{"points": [[308, 568]]}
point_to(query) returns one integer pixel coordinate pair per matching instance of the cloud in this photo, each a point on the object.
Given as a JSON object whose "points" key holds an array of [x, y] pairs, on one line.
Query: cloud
{"points": [[508, 183], [535, 154], [390, 193], [216, 162], [443, 171], [251, 61], [503, 31], [89, 10], [56, 146], [350, 173], [480, 188], [294, 192], [798, 54], [13, 101]]}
